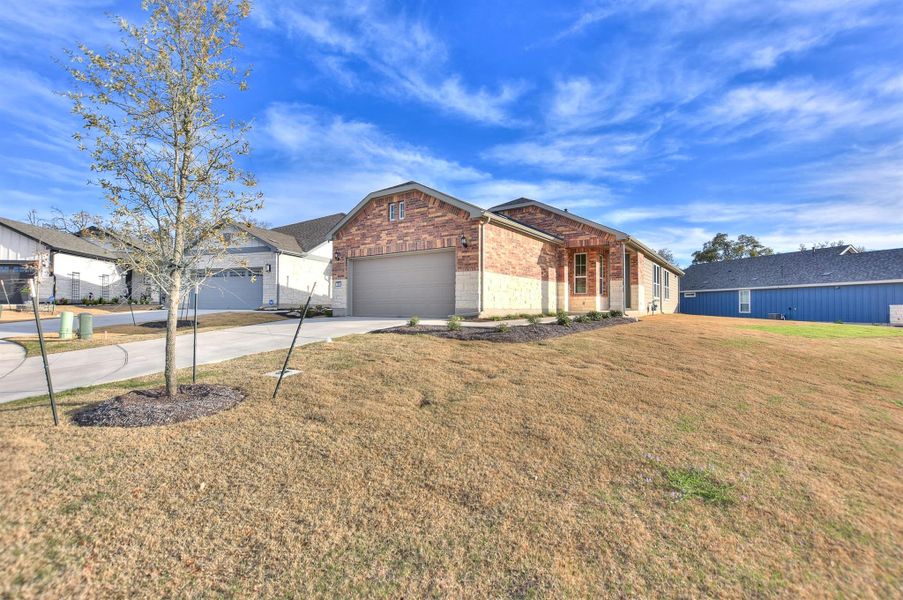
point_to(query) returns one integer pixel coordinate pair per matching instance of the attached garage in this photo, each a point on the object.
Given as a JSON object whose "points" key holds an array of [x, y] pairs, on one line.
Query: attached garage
{"points": [[405, 284], [231, 289]]}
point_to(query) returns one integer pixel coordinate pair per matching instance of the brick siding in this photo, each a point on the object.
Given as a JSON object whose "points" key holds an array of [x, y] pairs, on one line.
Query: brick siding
{"points": [[429, 224]]}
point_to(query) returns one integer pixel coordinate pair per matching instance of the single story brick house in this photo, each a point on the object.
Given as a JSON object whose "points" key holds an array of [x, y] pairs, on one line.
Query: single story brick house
{"points": [[412, 250], [827, 284]]}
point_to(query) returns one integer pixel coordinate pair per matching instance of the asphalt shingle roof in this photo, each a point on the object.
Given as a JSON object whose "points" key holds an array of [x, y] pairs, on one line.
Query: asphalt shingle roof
{"points": [[312, 233], [59, 240], [809, 267]]}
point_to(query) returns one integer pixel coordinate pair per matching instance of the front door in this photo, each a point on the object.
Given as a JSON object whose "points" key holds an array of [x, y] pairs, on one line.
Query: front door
{"points": [[627, 300]]}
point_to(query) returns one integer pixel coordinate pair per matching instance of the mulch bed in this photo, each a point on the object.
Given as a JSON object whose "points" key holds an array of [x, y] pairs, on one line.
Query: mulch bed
{"points": [[525, 333], [142, 408]]}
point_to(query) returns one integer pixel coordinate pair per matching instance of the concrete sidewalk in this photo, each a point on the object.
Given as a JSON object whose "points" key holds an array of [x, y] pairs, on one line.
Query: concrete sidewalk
{"points": [[94, 366]]}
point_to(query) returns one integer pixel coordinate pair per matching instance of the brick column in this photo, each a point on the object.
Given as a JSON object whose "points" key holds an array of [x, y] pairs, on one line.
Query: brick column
{"points": [[616, 274]]}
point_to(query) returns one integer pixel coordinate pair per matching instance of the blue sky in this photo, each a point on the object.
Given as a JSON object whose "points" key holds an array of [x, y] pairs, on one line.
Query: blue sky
{"points": [[669, 120]]}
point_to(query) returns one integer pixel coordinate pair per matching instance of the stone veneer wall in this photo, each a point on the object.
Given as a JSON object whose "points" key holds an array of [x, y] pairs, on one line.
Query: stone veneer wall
{"points": [[519, 272]]}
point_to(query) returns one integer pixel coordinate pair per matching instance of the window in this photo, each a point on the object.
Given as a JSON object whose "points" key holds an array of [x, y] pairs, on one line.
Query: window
{"points": [[76, 280], [656, 281], [400, 211], [105, 287], [667, 284], [227, 238], [580, 273], [392, 212], [745, 301], [601, 275]]}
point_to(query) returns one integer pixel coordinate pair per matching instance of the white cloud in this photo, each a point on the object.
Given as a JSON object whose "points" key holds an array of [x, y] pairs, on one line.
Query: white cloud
{"points": [[322, 162], [394, 49]]}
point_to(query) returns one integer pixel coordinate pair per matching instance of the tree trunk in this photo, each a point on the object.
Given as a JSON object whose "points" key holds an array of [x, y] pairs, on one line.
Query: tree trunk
{"points": [[172, 320]]}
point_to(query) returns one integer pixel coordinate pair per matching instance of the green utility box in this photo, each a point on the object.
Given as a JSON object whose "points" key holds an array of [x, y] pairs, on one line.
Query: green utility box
{"points": [[85, 326], [66, 319]]}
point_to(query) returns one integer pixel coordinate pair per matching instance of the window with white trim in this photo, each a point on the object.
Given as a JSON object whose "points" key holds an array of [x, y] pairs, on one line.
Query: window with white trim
{"points": [[656, 281], [580, 273], [667, 285], [745, 297], [401, 210], [392, 211]]}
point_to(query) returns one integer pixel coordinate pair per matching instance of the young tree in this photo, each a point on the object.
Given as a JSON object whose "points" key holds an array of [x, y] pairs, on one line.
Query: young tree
{"points": [[163, 154]]}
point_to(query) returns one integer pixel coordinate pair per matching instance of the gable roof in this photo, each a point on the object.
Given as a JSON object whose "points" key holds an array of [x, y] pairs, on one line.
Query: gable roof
{"points": [[619, 235], [520, 202], [59, 241], [310, 234], [471, 209], [825, 266], [281, 242]]}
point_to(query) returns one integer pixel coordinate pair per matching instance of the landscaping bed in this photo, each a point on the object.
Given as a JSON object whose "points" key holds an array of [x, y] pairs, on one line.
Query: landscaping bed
{"points": [[523, 333], [141, 408]]}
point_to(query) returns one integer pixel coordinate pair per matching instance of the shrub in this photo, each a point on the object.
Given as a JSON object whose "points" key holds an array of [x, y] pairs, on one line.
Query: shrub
{"points": [[62, 301], [562, 318], [114, 300], [454, 323], [413, 321], [503, 328], [615, 313], [533, 319], [595, 315], [583, 319]]}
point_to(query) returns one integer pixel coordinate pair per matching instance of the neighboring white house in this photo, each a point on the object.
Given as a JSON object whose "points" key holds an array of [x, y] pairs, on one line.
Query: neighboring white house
{"points": [[271, 267], [71, 268]]}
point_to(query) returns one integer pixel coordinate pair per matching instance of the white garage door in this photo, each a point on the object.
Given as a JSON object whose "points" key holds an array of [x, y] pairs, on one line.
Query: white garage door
{"points": [[403, 285], [231, 289]]}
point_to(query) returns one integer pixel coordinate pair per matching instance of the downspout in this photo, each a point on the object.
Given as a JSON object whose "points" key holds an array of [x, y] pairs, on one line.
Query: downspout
{"points": [[480, 268], [278, 284]]}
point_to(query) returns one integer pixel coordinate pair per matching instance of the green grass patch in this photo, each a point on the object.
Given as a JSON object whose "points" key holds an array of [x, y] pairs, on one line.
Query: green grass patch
{"points": [[695, 483], [828, 330]]}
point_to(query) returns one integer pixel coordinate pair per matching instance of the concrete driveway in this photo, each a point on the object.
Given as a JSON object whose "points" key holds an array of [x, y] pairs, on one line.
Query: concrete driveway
{"points": [[25, 378]]}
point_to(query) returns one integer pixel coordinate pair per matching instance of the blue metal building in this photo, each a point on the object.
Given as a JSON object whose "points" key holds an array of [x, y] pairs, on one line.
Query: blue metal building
{"points": [[828, 284]]}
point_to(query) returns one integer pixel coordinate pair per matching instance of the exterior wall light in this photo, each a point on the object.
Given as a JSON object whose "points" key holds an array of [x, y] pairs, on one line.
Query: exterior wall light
{"points": [[464, 241], [269, 268], [337, 255]]}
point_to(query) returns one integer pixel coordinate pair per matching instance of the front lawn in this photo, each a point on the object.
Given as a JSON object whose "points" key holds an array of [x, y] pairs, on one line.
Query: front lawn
{"points": [[827, 330], [120, 334], [675, 457]]}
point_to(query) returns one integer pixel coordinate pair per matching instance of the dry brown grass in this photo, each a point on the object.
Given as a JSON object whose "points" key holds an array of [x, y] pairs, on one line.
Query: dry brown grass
{"points": [[411, 466], [120, 334]]}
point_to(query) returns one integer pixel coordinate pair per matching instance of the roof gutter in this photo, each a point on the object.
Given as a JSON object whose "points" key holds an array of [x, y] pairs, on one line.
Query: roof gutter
{"points": [[638, 245], [502, 221]]}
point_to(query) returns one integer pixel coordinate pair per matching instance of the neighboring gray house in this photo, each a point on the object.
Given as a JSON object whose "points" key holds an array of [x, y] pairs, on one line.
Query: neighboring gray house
{"points": [[271, 267], [71, 268]]}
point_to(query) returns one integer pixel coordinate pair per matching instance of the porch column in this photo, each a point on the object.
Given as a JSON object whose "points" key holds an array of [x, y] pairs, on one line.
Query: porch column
{"points": [[616, 272]]}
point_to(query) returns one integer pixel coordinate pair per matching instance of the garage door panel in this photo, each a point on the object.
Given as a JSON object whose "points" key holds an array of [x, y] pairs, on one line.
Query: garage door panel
{"points": [[233, 289], [404, 285]]}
